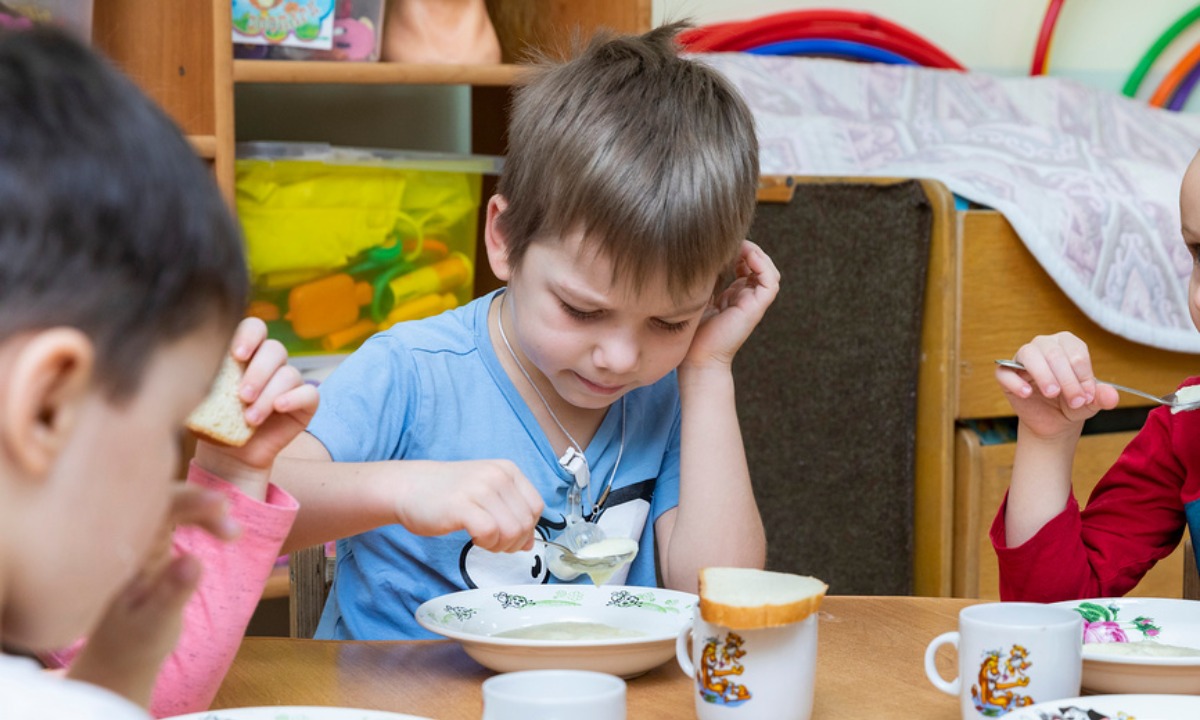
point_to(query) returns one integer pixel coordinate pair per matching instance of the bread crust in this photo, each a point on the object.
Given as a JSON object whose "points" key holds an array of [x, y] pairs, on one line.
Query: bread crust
{"points": [[744, 617], [221, 417]]}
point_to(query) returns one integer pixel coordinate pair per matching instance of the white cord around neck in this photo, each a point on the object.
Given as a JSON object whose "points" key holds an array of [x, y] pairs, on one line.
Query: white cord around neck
{"points": [[620, 450]]}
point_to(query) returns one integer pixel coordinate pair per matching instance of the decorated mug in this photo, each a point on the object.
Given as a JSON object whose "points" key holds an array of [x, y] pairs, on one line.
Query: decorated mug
{"points": [[1011, 655], [762, 673]]}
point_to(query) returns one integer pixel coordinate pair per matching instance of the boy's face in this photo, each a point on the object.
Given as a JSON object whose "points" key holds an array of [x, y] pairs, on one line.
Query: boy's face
{"points": [[102, 505], [1189, 217], [592, 339]]}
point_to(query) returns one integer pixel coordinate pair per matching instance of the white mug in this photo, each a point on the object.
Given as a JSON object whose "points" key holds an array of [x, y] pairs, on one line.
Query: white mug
{"points": [[554, 695], [750, 674], [1011, 655]]}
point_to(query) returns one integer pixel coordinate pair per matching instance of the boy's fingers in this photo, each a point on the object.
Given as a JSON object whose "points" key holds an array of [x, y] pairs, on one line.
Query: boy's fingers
{"points": [[270, 356], [284, 379], [301, 401], [1011, 382], [1041, 377], [249, 335]]}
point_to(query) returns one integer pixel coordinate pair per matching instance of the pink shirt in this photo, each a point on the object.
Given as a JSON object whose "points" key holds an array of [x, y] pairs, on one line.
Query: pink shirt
{"points": [[215, 619]]}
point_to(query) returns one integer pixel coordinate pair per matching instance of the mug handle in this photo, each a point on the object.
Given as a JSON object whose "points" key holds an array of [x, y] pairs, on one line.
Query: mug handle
{"points": [[682, 655], [931, 671]]}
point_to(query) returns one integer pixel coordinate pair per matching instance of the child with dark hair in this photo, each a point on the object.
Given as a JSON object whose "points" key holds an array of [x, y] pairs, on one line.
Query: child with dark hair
{"points": [[596, 387], [121, 283]]}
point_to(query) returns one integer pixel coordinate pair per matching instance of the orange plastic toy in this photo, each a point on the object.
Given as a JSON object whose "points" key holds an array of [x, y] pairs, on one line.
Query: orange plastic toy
{"points": [[327, 305], [354, 334]]}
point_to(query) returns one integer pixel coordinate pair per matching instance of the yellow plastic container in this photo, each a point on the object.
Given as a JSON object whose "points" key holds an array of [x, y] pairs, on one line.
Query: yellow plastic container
{"points": [[343, 242]]}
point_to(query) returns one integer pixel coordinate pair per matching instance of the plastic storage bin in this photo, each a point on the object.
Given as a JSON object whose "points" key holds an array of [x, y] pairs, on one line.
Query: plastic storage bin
{"points": [[345, 242], [354, 32], [74, 15]]}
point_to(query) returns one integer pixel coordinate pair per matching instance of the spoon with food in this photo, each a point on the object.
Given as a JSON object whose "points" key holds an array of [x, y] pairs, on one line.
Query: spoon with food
{"points": [[599, 560]]}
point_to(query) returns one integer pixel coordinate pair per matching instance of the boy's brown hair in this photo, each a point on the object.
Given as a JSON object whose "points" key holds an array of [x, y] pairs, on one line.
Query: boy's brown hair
{"points": [[651, 155]]}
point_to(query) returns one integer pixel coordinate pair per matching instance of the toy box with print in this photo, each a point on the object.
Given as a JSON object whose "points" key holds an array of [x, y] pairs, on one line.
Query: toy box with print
{"points": [[345, 242], [312, 30], [73, 15]]}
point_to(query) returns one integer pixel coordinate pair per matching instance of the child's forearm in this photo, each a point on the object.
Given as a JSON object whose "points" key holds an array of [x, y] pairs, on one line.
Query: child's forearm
{"points": [[1041, 483], [717, 522], [251, 482], [336, 499]]}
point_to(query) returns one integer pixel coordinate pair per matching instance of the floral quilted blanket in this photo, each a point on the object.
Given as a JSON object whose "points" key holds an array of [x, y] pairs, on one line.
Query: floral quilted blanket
{"points": [[1088, 178]]}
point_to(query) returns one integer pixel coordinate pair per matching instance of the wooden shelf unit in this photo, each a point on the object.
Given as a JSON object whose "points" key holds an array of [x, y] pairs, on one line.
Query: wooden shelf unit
{"points": [[345, 73], [180, 53]]}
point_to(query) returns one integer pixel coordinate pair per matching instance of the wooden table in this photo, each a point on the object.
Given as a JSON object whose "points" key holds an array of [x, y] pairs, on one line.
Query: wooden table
{"points": [[870, 664]]}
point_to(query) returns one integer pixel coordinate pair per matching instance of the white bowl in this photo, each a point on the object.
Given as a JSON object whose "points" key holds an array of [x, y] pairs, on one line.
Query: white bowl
{"points": [[1142, 707], [1139, 620], [474, 617], [279, 712]]}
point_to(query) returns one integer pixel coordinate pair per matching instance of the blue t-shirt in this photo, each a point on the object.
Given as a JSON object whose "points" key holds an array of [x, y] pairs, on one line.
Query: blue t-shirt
{"points": [[434, 390]]}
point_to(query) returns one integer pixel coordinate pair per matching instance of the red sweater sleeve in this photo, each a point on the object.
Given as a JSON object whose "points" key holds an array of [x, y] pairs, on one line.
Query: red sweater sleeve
{"points": [[1133, 518]]}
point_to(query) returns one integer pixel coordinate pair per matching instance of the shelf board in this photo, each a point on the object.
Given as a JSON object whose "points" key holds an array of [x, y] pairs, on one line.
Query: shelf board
{"points": [[313, 72], [204, 145]]}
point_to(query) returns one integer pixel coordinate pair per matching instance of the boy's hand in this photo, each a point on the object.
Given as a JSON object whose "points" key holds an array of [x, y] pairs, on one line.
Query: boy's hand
{"points": [[737, 310], [490, 499], [280, 406], [142, 623], [1057, 391]]}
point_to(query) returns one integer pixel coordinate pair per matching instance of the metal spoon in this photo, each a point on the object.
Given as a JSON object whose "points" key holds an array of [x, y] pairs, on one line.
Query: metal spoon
{"points": [[1170, 400], [590, 564]]}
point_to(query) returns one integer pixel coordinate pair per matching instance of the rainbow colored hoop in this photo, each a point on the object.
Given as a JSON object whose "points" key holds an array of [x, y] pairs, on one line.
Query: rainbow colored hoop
{"points": [[1156, 49], [833, 48], [862, 29]]}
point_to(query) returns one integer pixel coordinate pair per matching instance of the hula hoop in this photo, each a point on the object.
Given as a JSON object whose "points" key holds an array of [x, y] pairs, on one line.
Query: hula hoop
{"points": [[1139, 72], [1171, 82], [811, 24], [837, 48], [919, 54], [1041, 53], [1184, 91]]}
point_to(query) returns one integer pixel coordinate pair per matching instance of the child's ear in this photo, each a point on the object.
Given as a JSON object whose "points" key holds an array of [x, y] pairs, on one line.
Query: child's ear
{"points": [[48, 381], [495, 240]]}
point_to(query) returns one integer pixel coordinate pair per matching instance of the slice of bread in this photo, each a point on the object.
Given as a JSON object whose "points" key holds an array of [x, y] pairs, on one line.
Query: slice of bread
{"points": [[747, 599], [221, 417]]}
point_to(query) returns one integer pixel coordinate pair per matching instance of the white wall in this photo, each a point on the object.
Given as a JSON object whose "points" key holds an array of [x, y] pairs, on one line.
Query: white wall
{"points": [[1095, 41]]}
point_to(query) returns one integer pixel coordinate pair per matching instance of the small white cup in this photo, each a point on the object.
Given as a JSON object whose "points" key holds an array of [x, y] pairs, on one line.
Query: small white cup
{"points": [[1011, 655], [750, 674], [554, 695]]}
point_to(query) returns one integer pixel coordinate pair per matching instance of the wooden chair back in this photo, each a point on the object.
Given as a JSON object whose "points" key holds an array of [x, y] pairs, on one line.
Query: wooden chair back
{"points": [[310, 573], [1191, 580]]}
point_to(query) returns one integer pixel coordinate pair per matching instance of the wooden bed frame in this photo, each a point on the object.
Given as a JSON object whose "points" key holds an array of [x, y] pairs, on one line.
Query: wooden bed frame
{"points": [[986, 295], [1005, 298]]}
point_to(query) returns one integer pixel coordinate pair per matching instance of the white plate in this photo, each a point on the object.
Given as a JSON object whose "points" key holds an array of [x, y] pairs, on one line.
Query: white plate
{"points": [[295, 713], [473, 617], [1153, 620], [1113, 707]]}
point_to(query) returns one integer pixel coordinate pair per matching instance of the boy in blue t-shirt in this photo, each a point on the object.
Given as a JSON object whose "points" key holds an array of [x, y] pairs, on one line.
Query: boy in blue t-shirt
{"points": [[618, 222]]}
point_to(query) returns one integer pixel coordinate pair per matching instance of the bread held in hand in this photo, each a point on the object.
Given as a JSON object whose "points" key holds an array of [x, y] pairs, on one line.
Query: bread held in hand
{"points": [[748, 599], [221, 417]]}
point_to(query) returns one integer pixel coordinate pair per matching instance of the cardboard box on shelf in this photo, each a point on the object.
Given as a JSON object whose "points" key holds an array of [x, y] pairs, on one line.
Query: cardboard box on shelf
{"points": [[74, 15], [349, 30]]}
